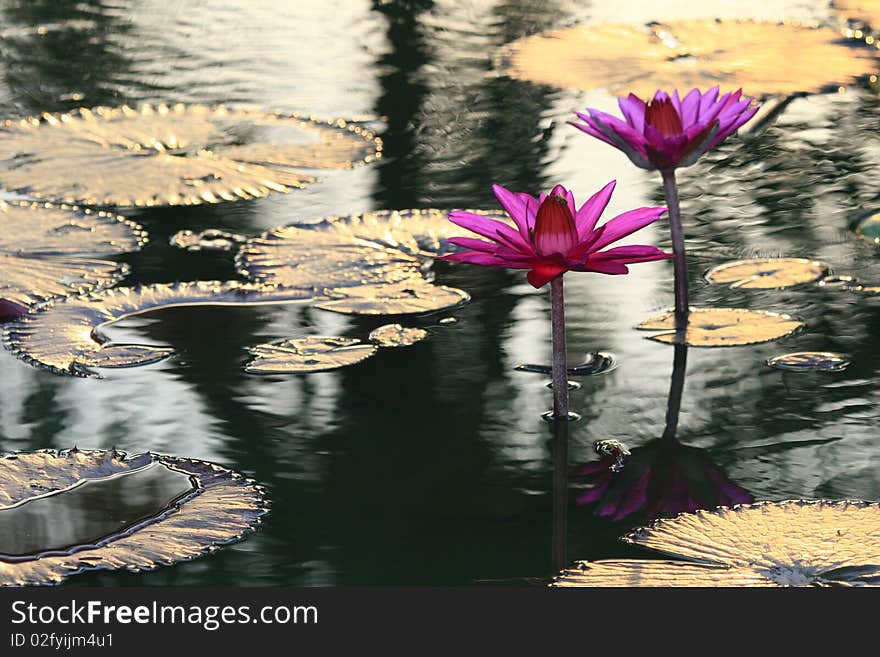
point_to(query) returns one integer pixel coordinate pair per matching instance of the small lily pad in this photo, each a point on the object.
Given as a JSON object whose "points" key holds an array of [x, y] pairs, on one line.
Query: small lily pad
{"points": [[65, 337], [790, 543], [768, 273], [803, 361], [624, 59], [869, 228], [395, 335], [597, 362], [869, 289], [211, 239], [177, 155], [48, 251], [62, 513], [723, 327], [312, 354]]}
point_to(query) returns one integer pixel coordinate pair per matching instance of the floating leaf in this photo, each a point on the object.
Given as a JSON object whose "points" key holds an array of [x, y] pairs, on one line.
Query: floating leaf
{"points": [[313, 354], [370, 263], [767, 273], [66, 512], [723, 327], [756, 56], [48, 251], [869, 228], [65, 336], [801, 361], [211, 239], [791, 543], [180, 155], [395, 335], [598, 362], [870, 289]]}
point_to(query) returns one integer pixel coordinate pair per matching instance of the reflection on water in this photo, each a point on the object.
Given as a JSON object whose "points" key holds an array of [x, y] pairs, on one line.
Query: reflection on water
{"points": [[90, 511], [431, 465]]}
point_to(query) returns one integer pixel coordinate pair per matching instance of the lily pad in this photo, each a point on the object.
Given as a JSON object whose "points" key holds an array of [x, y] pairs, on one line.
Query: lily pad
{"points": [[869, 228], [597, 362], [49, 251], [211, 239], [866, 11], [723, 327], [395, 335], [373, 263], [178, 155], [790, 543], [313, 354], [869, 289], [66, 512], [768, 273], [803, 361], [753, 55], [64, 336]]}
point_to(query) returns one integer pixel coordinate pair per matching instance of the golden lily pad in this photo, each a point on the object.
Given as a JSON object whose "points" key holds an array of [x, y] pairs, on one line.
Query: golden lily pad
{"points": [[869, 228], [211, 239], [64, 336], [790, 543], [66, 512], [48, 251], [762, 58], [870, 289], [867, 11], [312, 354], [395, 335], [723, 327], [803, 361], [178, 155], [373, 263], [767, 273]]}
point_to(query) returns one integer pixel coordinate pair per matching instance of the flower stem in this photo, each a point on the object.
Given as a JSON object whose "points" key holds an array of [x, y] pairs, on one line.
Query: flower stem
{"points": [[560, 426], [682, 304]]}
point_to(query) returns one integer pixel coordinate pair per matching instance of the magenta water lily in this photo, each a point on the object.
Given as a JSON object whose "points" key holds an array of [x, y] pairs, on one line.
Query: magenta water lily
{"points": [[666, 133], [550, 235]]}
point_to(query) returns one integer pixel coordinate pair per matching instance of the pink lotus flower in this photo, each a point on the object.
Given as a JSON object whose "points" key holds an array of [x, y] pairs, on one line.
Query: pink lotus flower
{"points": [[669, 132], [552, 236]]}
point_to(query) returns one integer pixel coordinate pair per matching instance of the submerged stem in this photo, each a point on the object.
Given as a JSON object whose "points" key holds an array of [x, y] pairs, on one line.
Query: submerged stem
{"points": [[676, 388], [560, 426], [682, 303]]}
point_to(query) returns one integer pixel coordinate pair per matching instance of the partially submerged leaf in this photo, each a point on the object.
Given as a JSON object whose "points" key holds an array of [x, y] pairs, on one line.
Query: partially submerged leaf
{"points": [[372, 263], [802, 361], [65, 336], [768, 273], [66, 512], [753, 55], [179, 155], [395, 335], [211, 239], [723, 327], [790, 543], [869, 228], [597, 362], [312, 354], [48, 251]]}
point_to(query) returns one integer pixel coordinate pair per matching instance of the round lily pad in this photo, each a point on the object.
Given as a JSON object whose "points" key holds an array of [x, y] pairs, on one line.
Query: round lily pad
{"points": [[790, 543], [767, 273], [395, 335], [65, 512], [312, 354], [374, 263], [178, 155], [804, 361], [48, 251], [869, 228], [753, 55], [65, 335], [723, 327]]}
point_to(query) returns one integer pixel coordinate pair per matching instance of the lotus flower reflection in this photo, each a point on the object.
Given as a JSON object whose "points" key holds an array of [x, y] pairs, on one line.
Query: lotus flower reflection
{"points": [[552, 236], [666, 133]]}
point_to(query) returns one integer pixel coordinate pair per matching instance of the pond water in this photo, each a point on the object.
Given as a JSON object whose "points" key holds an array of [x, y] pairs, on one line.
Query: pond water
{"points": [[430, 464]]}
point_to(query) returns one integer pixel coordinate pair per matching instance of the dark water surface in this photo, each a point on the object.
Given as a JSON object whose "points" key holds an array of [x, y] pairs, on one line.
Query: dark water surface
{"points": [[430, 464]]}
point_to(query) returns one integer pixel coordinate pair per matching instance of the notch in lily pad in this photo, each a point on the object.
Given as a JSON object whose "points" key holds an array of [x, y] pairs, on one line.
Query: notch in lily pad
{"points": [[791, 543], [65, 512], [723, 327], [768, 273]]}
